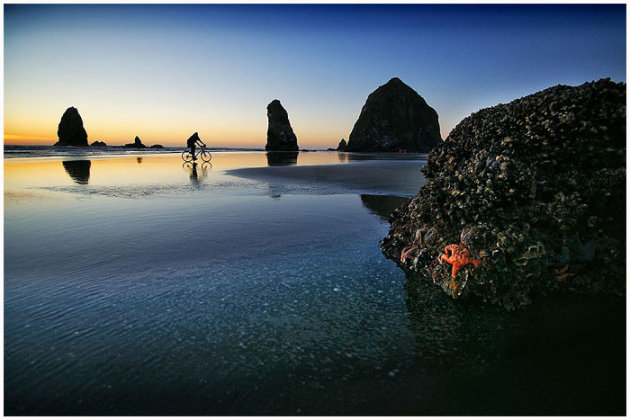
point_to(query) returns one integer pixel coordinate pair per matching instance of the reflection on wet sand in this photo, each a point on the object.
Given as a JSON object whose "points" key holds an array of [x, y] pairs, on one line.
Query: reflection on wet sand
{"points": [[282, 158], [314, 173], [164, 168], [79, 170], [197, 172]]}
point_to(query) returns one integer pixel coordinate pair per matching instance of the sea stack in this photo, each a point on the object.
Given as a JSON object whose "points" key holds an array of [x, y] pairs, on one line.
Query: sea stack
{"points": [[342, 146], [280, 136], [137, 144], [394, 119], [71, 131], [534, 191]]}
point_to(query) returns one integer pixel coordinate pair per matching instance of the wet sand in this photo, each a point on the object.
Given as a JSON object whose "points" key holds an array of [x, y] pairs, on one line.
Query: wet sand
{"points": [[402, 178]]}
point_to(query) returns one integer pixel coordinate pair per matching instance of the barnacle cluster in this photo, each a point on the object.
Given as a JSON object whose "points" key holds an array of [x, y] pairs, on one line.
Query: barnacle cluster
{"points": [[529, 188]]}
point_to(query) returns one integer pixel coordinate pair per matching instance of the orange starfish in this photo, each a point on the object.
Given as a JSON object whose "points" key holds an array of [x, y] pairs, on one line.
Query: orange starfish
{"points": [[459, 257]]}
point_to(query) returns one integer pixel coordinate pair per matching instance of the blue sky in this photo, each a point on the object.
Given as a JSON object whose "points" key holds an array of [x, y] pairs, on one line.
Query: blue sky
{"points": [[164, 71]]}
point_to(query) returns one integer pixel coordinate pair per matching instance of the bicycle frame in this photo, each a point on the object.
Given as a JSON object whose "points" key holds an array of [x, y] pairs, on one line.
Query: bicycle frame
{"points": [[206, 156]]}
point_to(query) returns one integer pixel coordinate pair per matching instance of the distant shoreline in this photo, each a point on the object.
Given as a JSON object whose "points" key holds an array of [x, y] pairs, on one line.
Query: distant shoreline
{"points": [[24, 151], [123, 148], [21, 152]]}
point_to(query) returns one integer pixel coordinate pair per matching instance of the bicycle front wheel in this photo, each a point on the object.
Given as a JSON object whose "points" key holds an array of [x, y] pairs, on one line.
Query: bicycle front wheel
{"points": [[206, 156], [187, 156]]}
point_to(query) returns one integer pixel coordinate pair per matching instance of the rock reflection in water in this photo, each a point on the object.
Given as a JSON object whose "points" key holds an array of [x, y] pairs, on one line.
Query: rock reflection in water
{"points": [[79, 170], [382, 205], [282, 158]]}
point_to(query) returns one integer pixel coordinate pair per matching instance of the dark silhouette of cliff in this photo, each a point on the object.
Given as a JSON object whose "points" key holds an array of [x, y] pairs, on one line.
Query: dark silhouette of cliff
{"points": [[71, 131], [280, 136]]}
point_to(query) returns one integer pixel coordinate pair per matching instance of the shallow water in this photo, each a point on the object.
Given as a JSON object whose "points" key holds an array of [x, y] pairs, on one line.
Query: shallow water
{"points": [[255, 285]]}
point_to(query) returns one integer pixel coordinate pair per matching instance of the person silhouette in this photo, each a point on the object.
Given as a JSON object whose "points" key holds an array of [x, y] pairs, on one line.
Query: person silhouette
{"points": [[192, 142]]}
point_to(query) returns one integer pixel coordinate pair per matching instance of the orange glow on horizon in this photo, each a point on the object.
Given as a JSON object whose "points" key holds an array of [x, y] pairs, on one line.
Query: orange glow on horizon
{"points": [[240, 127], [18, 139], [229, 129], [213, 138]]}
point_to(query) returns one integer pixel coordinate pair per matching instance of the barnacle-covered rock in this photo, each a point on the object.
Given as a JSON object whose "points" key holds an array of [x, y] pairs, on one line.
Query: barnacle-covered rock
{"points": [[534, 189]]}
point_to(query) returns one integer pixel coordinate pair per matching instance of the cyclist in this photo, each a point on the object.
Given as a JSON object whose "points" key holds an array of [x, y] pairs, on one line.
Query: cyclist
{"points": [[192, 142]]}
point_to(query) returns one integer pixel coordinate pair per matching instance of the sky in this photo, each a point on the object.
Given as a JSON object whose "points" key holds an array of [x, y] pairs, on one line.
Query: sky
{"points": [[164, 71]]}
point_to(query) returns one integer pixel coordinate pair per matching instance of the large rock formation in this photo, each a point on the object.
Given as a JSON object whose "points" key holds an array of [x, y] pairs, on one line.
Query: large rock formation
{"points": [[280, 136], [534, 190], [137, 144], [342, 146], [71, 131], [395, 118]]}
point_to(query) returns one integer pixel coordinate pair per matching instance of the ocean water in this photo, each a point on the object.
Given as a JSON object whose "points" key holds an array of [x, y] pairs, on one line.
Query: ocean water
{"points": [[136, 285]]}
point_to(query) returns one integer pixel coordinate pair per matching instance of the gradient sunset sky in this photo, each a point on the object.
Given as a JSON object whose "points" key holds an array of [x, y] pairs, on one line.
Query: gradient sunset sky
{"points": [[161, 71]]}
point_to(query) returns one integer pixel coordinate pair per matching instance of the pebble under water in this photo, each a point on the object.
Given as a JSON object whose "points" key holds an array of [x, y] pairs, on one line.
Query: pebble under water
{"points": [[135, 287]]}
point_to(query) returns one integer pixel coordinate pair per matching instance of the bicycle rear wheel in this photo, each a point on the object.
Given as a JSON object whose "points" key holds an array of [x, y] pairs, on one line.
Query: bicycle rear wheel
{"points": [[187, 156], [206, 156]]}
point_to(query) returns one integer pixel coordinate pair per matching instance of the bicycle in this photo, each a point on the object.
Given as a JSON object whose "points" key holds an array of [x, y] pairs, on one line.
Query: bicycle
{"points": [[206, 156]]}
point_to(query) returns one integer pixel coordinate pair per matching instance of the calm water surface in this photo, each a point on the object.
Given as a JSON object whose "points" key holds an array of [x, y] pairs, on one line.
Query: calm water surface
{"points": [[255, 285]]}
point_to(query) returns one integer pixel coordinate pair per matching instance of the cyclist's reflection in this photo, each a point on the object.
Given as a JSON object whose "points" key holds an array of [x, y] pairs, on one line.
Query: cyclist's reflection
{"points": [[198, 172]]}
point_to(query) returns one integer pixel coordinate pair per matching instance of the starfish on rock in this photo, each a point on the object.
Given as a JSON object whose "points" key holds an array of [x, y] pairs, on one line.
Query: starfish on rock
{"points": [[458, 257]]}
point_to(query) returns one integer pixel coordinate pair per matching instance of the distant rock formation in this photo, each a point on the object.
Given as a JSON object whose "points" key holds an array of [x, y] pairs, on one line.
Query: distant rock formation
{"points": [[137, 144], [280, 136], [71, 131], [98, 144], [156, 146], [395, 119], [342, 146], [79, 170]]}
